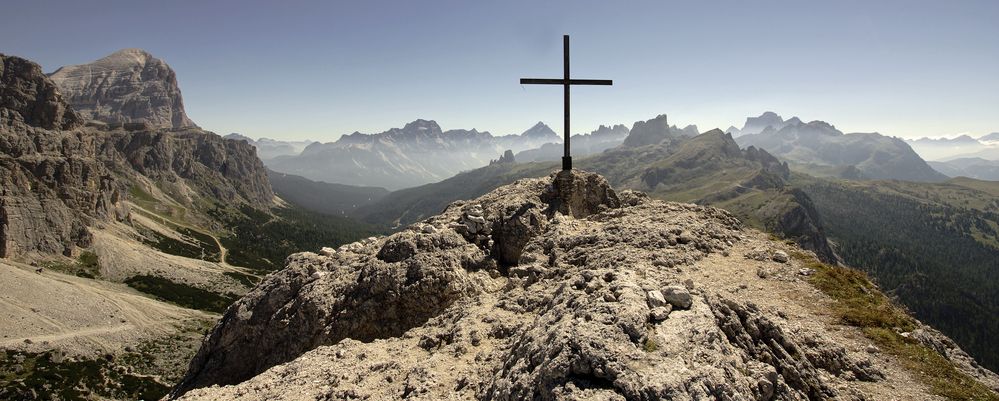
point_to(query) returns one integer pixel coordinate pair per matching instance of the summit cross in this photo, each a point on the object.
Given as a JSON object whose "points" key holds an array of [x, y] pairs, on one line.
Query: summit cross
{"points": [[565, 82]]}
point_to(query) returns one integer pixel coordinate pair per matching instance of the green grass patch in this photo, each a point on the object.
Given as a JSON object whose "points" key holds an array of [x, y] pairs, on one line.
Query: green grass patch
{"points": [[196, 245], [181, 294], [243, 278], [87, 266], [861, 304], [52, 376], [650, 345], [261, 240], [138, 194]]}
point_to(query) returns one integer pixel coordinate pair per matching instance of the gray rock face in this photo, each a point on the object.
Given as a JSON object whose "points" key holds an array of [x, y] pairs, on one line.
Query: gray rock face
{"points": [[55, 183], [129, 85], [51, 185], [26, 96], [576, 308], [648, 132]]}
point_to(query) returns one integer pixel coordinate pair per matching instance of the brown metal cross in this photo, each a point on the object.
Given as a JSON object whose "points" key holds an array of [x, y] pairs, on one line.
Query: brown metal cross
{"points": [[566, 82]]}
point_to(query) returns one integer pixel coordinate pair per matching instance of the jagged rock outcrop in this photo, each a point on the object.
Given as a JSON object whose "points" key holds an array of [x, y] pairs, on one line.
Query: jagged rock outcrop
{"points": [[55, 182], [551, 288], [222, 170], [648, 132], [505, 158], [656, 131], [51, 185], [26, 96], [129, 85]]}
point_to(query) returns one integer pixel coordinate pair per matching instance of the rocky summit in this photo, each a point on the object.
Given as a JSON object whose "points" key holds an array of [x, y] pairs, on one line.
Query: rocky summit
{"points": [[548, 289], [128, 86]]}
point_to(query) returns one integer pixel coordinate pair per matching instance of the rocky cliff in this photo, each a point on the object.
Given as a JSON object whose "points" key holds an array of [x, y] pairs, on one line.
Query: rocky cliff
{"points": [[51, 185], [59, 178], [129, 85], [554, 288], [27, 97]]}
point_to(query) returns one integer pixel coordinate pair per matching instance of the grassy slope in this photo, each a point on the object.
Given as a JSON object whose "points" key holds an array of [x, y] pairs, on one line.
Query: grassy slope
{"points": [[934, 246], [861, 304]]}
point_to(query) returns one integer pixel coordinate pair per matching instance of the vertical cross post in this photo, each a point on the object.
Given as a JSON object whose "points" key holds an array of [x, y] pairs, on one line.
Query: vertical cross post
{"points": [[566, 158], [566, 82]]}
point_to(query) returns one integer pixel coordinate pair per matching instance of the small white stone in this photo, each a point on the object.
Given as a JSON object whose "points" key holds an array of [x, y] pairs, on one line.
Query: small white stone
{"points": [[655, 299]]}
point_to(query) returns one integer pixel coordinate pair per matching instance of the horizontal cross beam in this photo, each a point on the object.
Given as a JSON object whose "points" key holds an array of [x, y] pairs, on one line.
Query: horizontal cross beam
{"points": [[556, 81]]}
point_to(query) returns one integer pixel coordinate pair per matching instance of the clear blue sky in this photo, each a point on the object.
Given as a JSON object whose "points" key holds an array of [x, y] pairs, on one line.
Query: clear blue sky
{"points": [[319, 69]]}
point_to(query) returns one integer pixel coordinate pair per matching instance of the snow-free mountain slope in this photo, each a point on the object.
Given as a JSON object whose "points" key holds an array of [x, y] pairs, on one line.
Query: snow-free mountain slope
{"points": [[129, 85], [418, 153], [818, 147]]}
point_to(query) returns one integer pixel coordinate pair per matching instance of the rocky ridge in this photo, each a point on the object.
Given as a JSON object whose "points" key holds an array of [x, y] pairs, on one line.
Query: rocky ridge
{"points": [[127, 86], [57, 177], [548, 288]]}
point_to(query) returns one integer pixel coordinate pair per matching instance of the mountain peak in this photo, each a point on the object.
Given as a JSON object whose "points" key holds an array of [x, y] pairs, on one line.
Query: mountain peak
{"points": [[26, 94], [129, 85], [541, 131], [648, 132], [755, 125], [130, 55], [422, 125]]}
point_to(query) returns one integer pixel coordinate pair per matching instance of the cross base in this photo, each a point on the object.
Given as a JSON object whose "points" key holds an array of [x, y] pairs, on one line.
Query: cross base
{"points": [[566, 162]]}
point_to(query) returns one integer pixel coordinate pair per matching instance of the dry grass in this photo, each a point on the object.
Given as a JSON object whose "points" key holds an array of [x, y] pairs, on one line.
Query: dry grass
{"points": [[861, 304]]}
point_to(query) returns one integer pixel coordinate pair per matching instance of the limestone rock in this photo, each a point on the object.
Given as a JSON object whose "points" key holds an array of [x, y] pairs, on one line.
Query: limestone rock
{"points": [[58, 178], [677, 296], [577, 299], [26, 95], [362, 297], [128, 86]]}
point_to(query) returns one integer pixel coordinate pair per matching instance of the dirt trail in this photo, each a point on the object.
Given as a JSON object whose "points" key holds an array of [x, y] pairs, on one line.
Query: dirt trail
{"points": [[76, 314]]}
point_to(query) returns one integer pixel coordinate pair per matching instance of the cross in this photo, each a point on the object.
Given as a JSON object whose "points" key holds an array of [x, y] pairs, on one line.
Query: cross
{"points": [[565, 82]]}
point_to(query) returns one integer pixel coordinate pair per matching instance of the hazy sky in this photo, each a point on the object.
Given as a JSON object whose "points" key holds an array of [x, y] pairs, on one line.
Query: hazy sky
{"points": [[319, 69]]}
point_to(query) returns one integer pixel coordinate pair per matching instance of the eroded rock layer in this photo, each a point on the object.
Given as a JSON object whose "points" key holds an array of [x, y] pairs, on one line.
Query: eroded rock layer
{"points": [[127, 86]]}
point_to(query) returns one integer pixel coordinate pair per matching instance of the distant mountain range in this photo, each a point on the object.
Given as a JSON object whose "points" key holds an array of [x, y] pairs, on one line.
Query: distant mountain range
{"points": [[270, 148], [907, 235], [971, 167], [416, 154], [601, 139], [964, 146], [820, 149], [607, 137]]}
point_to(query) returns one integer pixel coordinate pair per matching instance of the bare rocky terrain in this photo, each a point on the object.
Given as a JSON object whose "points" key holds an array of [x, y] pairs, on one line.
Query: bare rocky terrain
{"points": [[127, 86], [561, 288]]}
